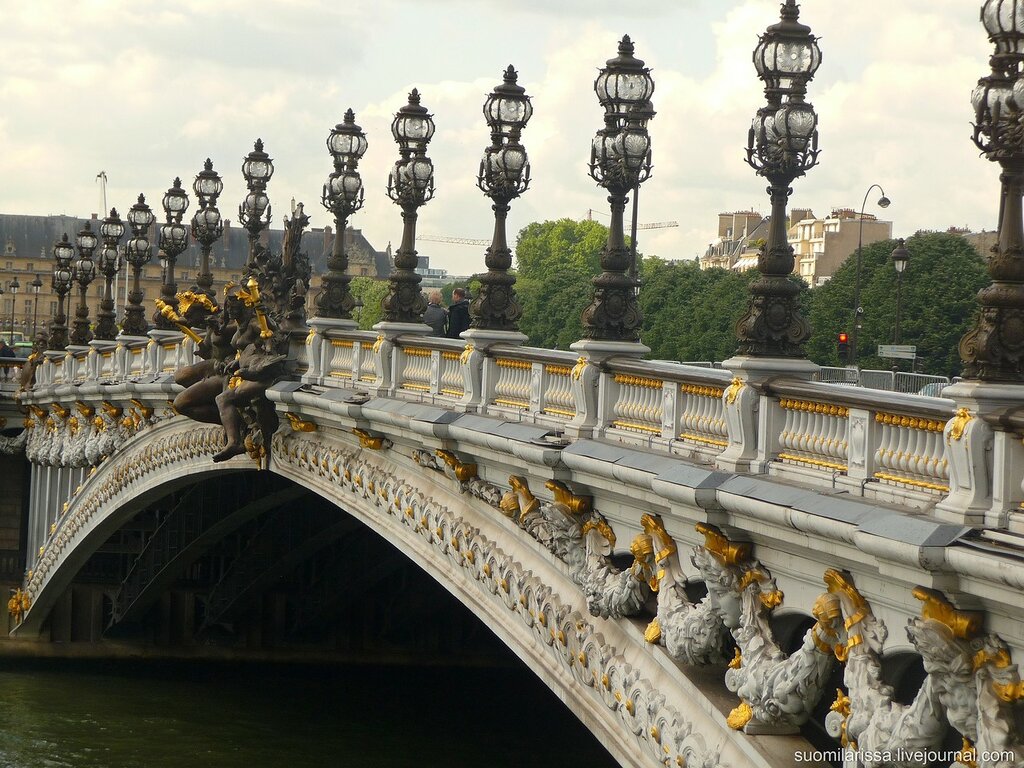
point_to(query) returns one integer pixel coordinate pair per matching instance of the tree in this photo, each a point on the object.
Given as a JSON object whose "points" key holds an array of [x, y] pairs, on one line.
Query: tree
{"points": [[371, 292], [938, 302], [556, 261], [690, 313]]}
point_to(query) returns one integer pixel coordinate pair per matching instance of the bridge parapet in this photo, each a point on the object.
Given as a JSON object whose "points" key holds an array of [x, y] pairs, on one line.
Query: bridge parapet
{"points": [[918, 452]]}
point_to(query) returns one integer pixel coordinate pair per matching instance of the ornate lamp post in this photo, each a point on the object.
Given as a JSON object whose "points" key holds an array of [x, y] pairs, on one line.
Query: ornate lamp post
{"points": [[504, 175], [342, 196], [207, 226], [858, 310], [109, 263], [138, 252], [782, 145], [900, 259], [254, 212], [410, 185], [994, 349], [84, 271], [63, 253], [620, 160], [36, 286], [13, 287], [173, 239]]}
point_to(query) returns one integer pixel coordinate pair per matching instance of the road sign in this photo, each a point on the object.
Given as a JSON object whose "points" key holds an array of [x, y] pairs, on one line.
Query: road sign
{"points": [[905, 351]]}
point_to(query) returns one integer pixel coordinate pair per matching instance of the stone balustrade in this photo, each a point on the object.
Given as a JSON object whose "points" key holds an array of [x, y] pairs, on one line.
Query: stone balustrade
{"points": [[882, 445]]}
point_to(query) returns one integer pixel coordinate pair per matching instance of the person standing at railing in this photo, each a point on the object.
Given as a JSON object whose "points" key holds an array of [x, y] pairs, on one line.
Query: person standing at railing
{"points": [[5, 352], [435, 315], [458, 314]]}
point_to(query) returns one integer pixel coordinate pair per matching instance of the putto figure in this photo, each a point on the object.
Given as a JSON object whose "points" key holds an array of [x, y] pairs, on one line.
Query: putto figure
{"points": [[245, 347]]}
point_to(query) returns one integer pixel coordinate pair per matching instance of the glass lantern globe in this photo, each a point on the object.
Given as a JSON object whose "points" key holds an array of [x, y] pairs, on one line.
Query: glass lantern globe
{"points": [[257, 168], [140, 217], [795, 124], [347, 142], [412, 127], [112, 228], [175, 201], [63, 252], [86, 239], [1004, 22], [787, 55], [208, 184], [508, 108], [173, 237], [624, 82]]}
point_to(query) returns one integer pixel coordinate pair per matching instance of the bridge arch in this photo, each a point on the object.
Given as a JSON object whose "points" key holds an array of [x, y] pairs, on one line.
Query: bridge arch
{"points": [[632, 700]]}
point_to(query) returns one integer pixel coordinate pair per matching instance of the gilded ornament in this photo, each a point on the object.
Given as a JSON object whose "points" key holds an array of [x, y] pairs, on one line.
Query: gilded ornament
{"points": [[733, 390], [964, 625], [740, 716], [371, 441], [579, 368], [298, 425], [463, 472], [958, 423], [725, 551]]}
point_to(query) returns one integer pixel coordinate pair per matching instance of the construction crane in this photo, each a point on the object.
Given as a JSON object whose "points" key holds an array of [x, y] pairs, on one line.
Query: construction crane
{"points": [[454, 240], [478, 241], [652, 225]]}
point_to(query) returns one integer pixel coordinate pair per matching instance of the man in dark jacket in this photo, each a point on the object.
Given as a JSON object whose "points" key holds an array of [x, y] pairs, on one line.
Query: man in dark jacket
{"points": [[435, 315], [458, 314]]}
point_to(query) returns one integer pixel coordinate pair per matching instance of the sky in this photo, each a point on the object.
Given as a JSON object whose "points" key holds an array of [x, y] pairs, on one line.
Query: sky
{"points": [[146, 90]]}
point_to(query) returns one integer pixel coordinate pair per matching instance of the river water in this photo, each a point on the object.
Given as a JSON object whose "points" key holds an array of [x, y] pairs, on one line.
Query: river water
{"points": [[218, 715]]}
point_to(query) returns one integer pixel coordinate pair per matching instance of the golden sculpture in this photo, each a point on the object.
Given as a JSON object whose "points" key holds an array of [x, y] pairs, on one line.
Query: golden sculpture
{"points": [[298, 425], [463, 472]]}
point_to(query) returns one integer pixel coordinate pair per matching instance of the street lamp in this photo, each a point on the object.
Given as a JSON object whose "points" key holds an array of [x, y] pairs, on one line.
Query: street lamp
{"points": [[993, 350], [858, 310], [254, 212], [620, 160], [342, 196], [84, 272], [410, 185], [36, 286], [63, 253], [900, 258], [109, 263], [782, 145], [13, 288], [138, 252], [504, 175], [207, 226], [172, 239]]}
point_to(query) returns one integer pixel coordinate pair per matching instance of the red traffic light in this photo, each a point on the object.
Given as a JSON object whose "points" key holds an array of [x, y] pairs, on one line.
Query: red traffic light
{"points": [[843, 338]]}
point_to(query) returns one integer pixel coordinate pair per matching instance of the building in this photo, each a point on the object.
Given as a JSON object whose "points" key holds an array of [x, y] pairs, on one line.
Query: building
{"points": [[27, 250], [740, 235], [820, 246]]}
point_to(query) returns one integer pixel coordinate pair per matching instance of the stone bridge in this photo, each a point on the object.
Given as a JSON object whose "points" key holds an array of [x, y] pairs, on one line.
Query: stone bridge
{"points": [[711, 567]]}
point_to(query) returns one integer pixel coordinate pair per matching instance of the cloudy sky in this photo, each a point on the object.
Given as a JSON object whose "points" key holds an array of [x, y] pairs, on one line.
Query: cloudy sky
{"points": [[146, 90]]}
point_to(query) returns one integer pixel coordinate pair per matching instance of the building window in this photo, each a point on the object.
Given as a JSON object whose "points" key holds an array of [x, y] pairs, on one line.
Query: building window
{"points": [[53, 309]]}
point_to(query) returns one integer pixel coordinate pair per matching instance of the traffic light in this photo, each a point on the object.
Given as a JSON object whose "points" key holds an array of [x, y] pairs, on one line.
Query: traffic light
{"points": [[844, 348]]}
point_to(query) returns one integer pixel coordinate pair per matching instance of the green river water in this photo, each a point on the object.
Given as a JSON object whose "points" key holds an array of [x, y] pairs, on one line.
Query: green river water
{"points": [[210, 715]]}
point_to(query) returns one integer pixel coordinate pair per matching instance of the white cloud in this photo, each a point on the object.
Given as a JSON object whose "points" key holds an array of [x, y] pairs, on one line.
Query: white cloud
{"points": [[147, 93]]}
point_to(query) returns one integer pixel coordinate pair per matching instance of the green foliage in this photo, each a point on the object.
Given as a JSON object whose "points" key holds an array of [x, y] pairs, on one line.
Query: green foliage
{"points": [[546, 248], [690, 314], [556, 261], [938, 302], [371, 292]]}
